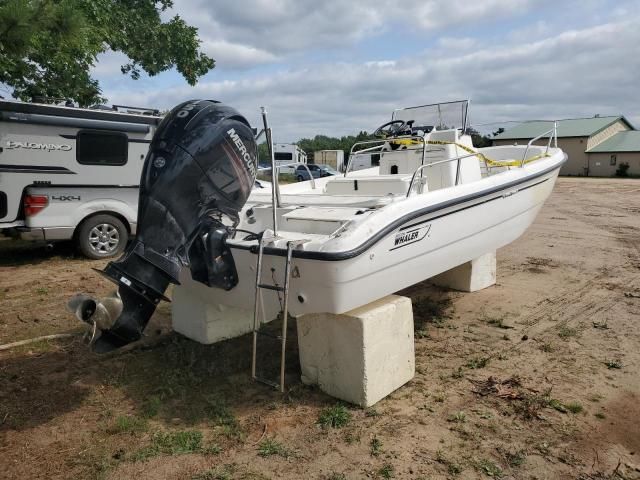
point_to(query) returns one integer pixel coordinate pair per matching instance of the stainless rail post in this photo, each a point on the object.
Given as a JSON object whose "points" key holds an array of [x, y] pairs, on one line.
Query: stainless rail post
{"points": [[526, 150], [275, 191]]}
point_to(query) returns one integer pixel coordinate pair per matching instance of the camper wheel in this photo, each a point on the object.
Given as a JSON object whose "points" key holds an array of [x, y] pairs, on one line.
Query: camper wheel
{"points": [[102, 236]]}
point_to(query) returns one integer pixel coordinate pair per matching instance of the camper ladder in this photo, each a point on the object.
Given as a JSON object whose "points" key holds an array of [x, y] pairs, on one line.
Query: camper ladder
{"points": [[259, 312]]}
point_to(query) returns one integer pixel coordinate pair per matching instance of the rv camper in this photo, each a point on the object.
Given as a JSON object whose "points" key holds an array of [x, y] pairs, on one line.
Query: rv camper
{"points": [[287, 155], [72, 173]]}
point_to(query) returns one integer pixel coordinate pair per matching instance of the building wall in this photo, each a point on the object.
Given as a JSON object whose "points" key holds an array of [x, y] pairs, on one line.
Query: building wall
{"points": [[608, 132], [573, 147], [600, 163]]}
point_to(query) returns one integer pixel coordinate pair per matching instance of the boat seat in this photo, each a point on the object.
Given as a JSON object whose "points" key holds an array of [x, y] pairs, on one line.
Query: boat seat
{"points": [[380, 185], [319, 221], [323, 200]]}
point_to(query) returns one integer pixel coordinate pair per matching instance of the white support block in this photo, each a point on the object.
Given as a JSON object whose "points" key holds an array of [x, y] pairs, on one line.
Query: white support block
{"points": [[205, 322], [475, 275], [360, 356]]}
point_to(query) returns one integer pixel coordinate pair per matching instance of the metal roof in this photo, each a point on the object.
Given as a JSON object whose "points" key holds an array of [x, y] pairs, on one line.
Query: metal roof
{"points": [[628, 141], [571, 127]]}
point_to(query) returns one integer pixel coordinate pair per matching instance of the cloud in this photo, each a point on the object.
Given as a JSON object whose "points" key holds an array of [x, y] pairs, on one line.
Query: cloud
{"points": [[283, 26], [577, 72], [237, 56]]}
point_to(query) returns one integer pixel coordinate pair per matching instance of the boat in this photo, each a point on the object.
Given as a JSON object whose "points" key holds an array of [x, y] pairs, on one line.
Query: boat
{"points": [[433, 203], [328, 244]]}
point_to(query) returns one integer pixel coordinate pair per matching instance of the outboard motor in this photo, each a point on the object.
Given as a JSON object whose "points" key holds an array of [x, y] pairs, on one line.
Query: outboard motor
{"points": [[197, 176]]}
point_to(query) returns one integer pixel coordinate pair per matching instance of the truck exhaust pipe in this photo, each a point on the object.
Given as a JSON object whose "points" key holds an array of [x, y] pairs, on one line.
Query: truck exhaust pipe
{"points": [[196, 178]]}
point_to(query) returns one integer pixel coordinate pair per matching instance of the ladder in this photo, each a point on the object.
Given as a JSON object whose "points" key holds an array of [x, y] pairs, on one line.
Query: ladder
{"points": [[259, 312]]}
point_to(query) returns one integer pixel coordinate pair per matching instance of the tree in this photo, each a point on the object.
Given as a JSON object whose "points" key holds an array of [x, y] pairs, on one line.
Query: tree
{"points": [[322, 142], [478, 140], [47, 47]]}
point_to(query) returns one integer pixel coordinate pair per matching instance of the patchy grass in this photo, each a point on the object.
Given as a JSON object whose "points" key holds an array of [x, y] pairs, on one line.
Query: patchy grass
{"points": [[546, 347], [600, 415], [151, 407], [219, 413], [171, 443], [128, 424], [565, 332], [477, 362], [489, 468], [218, 473], [376, 446], [269, 447], [573, 407], [372, 412], [458, 417], [452, 467], [336, 476], [613, 364], [386, 471], [515, 459], [337, 416]]}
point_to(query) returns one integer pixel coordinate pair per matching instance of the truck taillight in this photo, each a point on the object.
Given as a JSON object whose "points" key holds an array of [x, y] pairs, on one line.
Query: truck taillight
{"points": [[34, 204]]}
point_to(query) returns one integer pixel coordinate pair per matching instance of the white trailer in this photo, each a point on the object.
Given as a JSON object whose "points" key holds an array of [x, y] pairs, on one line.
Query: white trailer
{"points": [[286, 154], [72, 173], [333, 158]]}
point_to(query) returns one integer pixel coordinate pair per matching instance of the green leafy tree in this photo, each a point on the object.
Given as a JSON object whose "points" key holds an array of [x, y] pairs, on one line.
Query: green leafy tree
{"points": [[47, 47], [322, 142]]}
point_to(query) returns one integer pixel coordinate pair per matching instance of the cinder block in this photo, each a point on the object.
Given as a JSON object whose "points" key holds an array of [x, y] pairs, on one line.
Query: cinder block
{"points": [[360, 356], [475, 275], [205, 322]]}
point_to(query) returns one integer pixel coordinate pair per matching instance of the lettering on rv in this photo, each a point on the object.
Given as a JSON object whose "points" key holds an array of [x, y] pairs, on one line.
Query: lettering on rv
{"points": [[411, 235], [246, 156], [38, 146]]}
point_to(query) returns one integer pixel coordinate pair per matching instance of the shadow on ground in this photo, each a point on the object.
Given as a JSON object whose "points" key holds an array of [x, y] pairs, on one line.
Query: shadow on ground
{"points": [[175, 381]]}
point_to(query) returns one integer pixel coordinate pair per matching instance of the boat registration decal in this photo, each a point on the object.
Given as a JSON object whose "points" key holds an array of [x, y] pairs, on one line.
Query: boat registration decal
{"points": [[407, 237]]}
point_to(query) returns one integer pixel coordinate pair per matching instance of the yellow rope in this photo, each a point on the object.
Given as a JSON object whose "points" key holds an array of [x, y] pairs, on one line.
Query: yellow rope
{"points": [[488, 161]]}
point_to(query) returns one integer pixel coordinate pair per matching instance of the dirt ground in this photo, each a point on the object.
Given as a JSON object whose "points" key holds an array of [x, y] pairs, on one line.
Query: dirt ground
{"points": [[535, 378]]}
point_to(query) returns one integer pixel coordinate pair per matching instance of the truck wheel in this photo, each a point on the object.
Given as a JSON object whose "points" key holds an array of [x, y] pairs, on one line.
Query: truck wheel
{"points": [[102, 236], [300, 178]]}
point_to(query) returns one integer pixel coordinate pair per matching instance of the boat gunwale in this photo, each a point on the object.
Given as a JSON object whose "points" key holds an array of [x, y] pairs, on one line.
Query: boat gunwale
{"points": [[378, 236]]}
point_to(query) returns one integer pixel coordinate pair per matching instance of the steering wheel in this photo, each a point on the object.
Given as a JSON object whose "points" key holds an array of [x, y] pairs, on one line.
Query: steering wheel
{"points": [[390, 129]]}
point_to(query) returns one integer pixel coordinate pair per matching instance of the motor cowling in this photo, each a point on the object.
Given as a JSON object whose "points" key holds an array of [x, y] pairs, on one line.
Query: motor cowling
{"points": [[197, 176]]}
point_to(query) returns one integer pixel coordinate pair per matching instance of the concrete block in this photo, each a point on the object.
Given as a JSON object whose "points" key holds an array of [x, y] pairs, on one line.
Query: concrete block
{"points": [[475, 275], [205, 322], [360, 356]]}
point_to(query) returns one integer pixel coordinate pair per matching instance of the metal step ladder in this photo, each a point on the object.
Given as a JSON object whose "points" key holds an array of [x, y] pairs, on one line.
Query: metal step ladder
{"points": [[259, 312]]}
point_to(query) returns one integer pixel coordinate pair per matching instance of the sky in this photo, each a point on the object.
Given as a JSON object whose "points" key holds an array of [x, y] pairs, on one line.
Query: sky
{"points": [[336, 67]]}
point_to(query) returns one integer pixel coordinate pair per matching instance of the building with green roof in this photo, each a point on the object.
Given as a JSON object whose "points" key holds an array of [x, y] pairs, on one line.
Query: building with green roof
{"points": [[595, 146]]}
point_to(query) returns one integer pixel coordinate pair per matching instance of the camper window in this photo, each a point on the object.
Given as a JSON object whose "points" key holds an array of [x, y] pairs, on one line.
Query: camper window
{"points": [[283, 156], [102, 148]]}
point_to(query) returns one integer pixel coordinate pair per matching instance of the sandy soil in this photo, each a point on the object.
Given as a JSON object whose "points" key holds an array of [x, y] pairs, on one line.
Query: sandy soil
{"points": [[534, 378]]}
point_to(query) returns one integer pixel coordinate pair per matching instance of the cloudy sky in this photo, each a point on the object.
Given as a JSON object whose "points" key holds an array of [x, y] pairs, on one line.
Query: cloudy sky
{"points": [[336, 67]]}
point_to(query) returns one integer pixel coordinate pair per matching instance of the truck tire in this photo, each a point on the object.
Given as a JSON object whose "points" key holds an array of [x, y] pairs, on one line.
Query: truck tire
{"points": [[300, 178], [102, 236]]}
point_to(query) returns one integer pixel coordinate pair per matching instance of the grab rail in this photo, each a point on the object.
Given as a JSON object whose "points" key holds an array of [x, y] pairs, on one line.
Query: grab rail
{"points": [[313, 181], [421, 138], [422, 167], [553, 134]]}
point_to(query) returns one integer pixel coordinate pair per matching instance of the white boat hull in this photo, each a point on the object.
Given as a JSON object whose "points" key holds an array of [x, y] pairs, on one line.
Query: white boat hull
{"points": [[411, 247]]}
